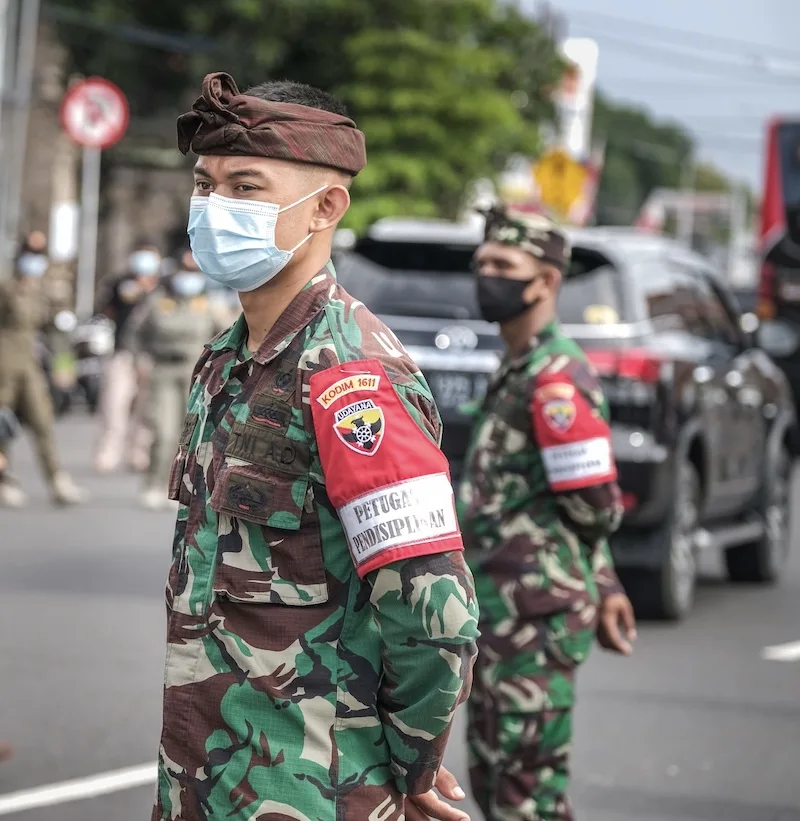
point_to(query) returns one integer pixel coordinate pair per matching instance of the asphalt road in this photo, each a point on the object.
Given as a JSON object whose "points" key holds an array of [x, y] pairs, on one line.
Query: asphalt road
{"points": [[696, 726]]}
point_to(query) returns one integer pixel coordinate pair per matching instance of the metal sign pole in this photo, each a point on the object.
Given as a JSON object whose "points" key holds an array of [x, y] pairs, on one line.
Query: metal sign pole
{"points": [[686, 211], [87, 255], [23, 88], [10, 39]]}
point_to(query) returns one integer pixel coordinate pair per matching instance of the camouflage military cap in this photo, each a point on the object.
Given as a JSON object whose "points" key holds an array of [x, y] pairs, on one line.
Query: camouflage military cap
{"points": [[535, 233], [225, 121]]}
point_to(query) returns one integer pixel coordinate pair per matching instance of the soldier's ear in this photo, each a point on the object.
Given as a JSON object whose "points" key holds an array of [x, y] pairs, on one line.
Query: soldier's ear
{"points": [[551, 277], [332, 206]]}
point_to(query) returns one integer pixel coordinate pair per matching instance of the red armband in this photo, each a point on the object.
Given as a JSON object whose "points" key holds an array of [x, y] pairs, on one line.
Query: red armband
{"points": [[573, 437], [389, 483]]}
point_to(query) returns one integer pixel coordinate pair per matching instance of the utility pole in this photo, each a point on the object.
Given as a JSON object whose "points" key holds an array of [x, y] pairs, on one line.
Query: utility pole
{"points": [[14, 149], [738, 227], [686, 212], [9, 13]]}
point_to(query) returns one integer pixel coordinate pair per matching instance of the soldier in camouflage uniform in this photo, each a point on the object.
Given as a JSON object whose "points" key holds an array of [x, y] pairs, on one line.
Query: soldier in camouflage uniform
{"points": [[321, 618], [536, 505]]}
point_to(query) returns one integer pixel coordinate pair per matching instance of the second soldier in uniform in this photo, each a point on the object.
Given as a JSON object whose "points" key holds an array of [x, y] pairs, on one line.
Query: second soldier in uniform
{"points": [[169, 327], [321, 617], [537, 503]]}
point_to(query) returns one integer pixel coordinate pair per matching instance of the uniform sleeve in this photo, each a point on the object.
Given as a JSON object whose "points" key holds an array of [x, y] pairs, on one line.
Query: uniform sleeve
{"points": [[603, 571], [391, 486], [575, 442], [136, 333]]}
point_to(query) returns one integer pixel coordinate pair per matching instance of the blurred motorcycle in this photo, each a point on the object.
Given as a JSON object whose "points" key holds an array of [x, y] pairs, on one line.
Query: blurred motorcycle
{"points": [[92, 343]]}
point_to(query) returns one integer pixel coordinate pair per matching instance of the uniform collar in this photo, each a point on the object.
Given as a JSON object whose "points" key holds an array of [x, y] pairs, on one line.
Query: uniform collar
{"points": [[545, 335], [300, 311]]}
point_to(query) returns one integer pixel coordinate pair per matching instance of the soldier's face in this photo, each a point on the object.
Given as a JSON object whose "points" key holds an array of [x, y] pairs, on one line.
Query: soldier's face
{"points": [[496, 259], [275, 181]]}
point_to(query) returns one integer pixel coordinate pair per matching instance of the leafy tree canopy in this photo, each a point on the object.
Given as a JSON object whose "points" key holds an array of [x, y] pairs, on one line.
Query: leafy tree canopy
{"points": [[445, 91]]}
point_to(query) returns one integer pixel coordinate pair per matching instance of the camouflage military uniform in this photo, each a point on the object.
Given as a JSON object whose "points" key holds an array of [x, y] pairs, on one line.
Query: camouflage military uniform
{"points": [[305, 680], [537, 503]]}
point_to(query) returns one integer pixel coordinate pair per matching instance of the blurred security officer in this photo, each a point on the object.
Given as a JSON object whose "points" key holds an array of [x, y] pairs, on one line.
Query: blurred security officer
{"points": [[121, 400], [23, 385], [537, 504], [170, 327]]}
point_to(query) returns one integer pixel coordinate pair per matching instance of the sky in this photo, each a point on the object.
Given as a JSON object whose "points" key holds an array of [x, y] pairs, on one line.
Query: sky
{"points": [[719, 67]]}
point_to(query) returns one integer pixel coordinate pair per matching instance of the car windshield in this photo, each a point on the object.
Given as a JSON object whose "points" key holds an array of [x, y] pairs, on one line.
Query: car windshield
{"points": [[590, 296], [411, 278], [434, 279]]}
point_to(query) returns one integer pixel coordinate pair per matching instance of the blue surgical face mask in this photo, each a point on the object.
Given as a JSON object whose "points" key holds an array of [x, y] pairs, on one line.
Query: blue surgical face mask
{"points": [[32, 265], [188, 283], [144, 263], [233, 241]]}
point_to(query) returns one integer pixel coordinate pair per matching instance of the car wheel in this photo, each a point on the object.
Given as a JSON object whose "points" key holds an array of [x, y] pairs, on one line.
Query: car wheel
{"points": [[667, 592], [762, 561]]}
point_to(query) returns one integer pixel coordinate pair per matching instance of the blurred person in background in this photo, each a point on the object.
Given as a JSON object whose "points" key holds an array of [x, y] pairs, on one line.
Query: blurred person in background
{"points": [[170, 327], [23, 386], [537, 503], [123, 433]]}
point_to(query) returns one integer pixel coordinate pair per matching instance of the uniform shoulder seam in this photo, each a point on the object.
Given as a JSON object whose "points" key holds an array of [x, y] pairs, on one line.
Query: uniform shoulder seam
{"points": [[341, 356]]}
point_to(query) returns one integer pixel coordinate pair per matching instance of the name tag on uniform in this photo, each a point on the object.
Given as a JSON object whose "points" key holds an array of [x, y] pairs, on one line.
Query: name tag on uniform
{"points": [[577, 461], [407, 513]]}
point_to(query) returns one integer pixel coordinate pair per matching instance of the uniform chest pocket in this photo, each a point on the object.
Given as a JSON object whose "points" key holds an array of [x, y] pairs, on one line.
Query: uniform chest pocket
{"points": [[269, 549]]}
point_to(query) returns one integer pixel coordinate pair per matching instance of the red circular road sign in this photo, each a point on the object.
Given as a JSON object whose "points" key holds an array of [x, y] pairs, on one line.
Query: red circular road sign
{"points": [[94, 113]]}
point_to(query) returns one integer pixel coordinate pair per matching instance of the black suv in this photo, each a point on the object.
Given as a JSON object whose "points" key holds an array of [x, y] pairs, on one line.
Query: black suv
{"points": [[702, 419]]}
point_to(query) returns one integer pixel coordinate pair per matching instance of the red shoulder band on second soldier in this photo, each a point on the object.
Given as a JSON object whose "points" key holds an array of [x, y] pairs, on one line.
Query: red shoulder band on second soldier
{"points": [[573, 437]]}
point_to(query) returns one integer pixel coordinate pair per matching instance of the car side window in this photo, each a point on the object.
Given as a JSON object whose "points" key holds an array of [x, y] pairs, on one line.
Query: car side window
{"points": [[661, 292], [721, 325], [691, 307]]}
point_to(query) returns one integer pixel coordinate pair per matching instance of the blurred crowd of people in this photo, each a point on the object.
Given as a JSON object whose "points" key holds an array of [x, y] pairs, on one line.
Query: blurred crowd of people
{"points": [[163, 310]]}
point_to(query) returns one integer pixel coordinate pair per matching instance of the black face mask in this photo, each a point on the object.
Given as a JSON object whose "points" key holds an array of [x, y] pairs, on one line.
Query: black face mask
{"points": [[500, 299]]}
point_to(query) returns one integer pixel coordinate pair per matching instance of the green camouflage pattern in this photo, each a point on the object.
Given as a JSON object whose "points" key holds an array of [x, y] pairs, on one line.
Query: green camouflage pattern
{"points": [[293, 690], [542, 564], [535, 233]]}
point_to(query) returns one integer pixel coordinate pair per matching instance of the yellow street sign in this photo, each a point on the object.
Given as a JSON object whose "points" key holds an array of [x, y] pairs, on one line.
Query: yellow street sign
{"points": [[561, 180]]}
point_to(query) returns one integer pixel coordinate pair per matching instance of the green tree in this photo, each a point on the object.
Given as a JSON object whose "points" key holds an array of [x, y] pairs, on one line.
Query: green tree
{"points": [[641, 154], [445, 91]]}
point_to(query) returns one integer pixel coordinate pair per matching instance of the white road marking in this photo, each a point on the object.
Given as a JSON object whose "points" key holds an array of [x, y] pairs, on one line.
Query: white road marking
{"points": [[782, 652], [78, 789]]}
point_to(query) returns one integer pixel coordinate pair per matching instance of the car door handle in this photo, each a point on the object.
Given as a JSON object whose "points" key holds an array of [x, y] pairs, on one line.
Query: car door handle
{"points": [[703, 374], [734, 379]]}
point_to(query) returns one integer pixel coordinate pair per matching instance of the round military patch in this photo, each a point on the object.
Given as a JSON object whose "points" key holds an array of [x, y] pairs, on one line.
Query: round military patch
{"points": [[559, 414], [360, 426]]}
